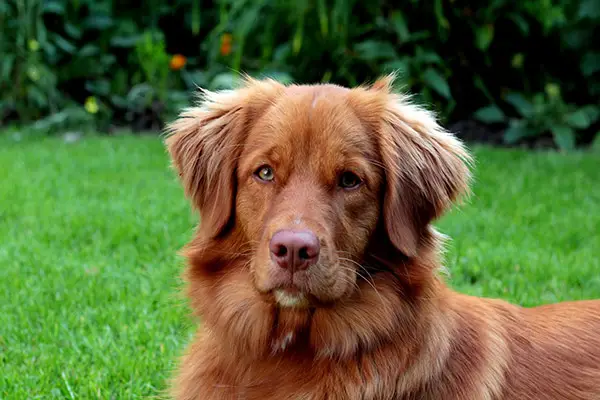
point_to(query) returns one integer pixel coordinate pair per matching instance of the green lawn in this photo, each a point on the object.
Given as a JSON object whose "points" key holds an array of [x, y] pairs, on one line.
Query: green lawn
{"points": [[89, 275]]}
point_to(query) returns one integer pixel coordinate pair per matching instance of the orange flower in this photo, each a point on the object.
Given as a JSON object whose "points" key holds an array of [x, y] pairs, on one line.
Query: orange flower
{"points": [[226, 44], [177, 62]]}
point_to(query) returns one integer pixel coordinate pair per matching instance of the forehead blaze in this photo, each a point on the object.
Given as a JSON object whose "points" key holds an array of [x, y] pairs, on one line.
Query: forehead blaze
{"points": [[312, 130]]}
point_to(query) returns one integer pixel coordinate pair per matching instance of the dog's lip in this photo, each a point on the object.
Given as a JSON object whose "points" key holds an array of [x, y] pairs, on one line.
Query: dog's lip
{"points": [[290, 289]]}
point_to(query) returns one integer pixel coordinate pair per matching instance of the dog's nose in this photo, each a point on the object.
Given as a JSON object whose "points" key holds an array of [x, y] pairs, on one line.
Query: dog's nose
{"points": [[296, 250]]}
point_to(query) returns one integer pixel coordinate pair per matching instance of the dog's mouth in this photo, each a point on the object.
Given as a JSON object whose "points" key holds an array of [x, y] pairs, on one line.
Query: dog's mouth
{"points": [[318, 285]]}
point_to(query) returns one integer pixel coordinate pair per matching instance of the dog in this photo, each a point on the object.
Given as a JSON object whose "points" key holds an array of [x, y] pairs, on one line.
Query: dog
{"points": [[315, 266]]}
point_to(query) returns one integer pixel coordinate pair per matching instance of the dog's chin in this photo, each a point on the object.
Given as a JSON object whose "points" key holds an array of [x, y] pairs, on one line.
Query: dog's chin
{"points": [[291, 298]]}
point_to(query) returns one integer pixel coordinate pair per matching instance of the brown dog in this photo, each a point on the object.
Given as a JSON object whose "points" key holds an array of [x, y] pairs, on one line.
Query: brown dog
{"points": [[314, 268]]}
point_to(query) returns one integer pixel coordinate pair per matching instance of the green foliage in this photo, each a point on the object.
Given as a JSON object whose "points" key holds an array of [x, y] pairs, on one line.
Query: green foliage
{"points": [[85, 64], [154, 61], [28, 86], [466, 61], [543, 114]]}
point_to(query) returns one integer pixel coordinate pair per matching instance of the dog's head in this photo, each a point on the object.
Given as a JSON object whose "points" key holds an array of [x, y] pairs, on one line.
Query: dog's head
{"points": [[312, 181]]}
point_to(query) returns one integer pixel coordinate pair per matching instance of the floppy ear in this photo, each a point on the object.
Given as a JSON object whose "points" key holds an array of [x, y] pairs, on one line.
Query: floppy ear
{"points": [[205, 143], [426, 168]]}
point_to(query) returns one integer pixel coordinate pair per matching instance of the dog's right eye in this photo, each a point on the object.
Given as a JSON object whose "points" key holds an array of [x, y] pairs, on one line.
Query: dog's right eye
{"points": [[265, 173], [349, 180]]}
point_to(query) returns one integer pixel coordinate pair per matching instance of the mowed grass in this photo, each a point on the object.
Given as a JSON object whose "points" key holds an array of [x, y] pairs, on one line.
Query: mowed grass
{"points": [[90, 303]]}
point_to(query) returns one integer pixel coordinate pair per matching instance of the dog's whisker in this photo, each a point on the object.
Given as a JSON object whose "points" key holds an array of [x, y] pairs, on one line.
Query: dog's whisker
{"points": [[370, 282]]}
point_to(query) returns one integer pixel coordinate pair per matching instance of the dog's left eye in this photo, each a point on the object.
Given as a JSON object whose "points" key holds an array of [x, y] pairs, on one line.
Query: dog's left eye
{"points": [[349, 180], [265, 173]]}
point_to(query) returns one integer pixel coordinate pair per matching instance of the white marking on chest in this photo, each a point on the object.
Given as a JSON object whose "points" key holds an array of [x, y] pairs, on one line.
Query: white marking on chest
{"points": [[283, 343]]}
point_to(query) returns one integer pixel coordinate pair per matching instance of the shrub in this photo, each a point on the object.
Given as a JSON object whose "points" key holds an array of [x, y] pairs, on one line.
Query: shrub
{"points": [[139, 62]]}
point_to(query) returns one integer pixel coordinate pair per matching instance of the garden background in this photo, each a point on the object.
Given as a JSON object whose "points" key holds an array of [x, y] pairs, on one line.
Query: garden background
{"points": [[92, 218], [506, 72]]}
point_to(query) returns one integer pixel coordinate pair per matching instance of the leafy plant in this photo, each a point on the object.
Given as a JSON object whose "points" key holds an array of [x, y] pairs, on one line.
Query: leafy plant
{"points": [[140, 61], [154, 62], [545, 113], [72, 117], [27, 85]]}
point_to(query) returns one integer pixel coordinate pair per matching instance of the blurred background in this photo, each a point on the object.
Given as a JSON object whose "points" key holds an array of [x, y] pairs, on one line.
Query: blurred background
{"points": [[506, 72]]}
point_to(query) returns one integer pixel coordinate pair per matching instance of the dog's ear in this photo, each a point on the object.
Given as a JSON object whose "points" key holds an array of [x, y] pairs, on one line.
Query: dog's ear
{"points": [[206, 141], [426, 167]]}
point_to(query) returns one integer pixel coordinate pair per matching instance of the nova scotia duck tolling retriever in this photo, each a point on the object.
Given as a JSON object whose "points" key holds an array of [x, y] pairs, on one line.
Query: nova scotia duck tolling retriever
{"points": [[315, 268]]}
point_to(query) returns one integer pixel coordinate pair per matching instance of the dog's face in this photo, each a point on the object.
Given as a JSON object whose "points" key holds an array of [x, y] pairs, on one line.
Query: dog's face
{"points": [[309, 185], [306, 177]]}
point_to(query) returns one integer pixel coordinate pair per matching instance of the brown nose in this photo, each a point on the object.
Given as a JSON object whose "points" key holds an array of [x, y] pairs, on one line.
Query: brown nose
{"points": [[296, 250]]}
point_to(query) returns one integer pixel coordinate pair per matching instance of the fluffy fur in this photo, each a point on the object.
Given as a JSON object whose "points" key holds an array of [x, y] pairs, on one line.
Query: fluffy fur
{"points": [[375, 321]]}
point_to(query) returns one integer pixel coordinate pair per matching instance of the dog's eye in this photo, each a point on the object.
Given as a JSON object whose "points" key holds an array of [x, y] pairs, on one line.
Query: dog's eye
{"points": [[265, 173], [349, 180]]}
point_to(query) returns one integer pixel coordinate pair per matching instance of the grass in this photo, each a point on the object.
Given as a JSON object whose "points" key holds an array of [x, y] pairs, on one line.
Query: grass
{"points": [[89, 275]]}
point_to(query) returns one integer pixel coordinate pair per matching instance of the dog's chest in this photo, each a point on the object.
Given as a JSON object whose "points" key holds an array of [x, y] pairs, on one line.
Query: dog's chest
{"points": [[318, 381]]}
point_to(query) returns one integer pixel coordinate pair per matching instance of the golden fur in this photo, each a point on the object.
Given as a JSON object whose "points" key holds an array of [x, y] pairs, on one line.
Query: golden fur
{"points": [[375, 321]]}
